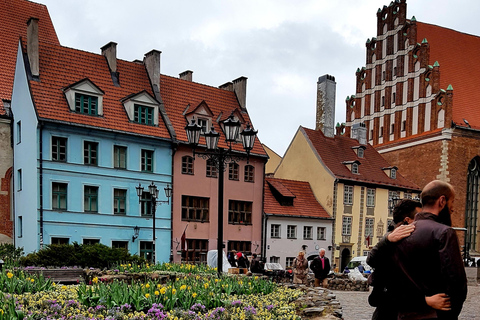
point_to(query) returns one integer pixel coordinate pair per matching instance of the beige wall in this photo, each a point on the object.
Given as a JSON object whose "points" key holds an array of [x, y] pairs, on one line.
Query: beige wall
{"points": [[273, 161]]}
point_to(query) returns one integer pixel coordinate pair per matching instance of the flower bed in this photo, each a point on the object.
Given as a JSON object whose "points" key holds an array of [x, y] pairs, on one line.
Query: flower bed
{"points": [[189, 297]]}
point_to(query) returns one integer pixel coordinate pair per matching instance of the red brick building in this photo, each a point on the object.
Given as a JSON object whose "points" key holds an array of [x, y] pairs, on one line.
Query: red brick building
{"points": [[415, 98]]}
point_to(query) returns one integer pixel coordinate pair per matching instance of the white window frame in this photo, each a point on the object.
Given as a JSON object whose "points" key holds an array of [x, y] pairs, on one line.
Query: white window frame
{"points": [[275, 231], [307, 233], [346, 226], [291, 232], [371, 197], [348, 195], [321, 233]]}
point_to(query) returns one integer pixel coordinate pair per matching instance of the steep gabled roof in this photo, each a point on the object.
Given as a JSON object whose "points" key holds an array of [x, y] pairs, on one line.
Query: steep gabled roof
{"points": [[336, 151], [457, 53], [177, 94], [304, 202], [61, 67], [13, 25]]}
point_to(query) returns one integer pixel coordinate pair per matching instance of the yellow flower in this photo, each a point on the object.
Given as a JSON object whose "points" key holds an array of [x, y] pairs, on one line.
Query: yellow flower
{"points": [[205, 285], [147, 286], [163, 290], [157, 293], [147, 295], [9, 275], [129, 265], [174, 291], [194, 295], [95, 280], [159, 286], [183, 287], [64, 287], [32, 280]]}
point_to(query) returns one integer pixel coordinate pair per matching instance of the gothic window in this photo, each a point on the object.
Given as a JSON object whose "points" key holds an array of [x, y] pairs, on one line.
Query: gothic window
{"points": [[471, 207]]}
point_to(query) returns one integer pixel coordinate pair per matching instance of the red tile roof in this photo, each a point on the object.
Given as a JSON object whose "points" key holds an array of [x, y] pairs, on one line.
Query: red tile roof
{"points": [[13, 25], [334, 151], [61, 67], [304, 204], [177, 94], [457, 53]]}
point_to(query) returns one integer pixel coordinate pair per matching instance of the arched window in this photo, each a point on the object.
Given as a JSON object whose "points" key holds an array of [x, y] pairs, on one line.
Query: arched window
{"points": [[441, 118], [355, 168], [471, 205]]}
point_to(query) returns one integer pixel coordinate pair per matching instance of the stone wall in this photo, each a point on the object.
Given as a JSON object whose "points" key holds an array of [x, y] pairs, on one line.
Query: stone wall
{"points": [[342, 282]]}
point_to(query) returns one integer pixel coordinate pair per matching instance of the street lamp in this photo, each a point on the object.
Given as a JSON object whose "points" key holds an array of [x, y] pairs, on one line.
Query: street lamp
{"points": [[220, 158], [153, 191]]}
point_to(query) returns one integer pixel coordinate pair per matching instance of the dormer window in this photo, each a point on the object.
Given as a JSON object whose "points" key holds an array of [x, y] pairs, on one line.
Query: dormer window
{"points": [[355, 168], [360, 152], [86, 104], [143, 114], [393, 173], [204, 124], [141, 108], [84, 97]]}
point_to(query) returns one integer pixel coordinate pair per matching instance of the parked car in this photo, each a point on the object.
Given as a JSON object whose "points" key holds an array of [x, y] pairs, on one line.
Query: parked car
{"points": [[357, 261]]}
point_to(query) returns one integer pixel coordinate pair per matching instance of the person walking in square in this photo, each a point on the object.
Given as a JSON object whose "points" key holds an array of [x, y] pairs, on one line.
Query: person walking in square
{"points": [[300, 269], [321, 268]]}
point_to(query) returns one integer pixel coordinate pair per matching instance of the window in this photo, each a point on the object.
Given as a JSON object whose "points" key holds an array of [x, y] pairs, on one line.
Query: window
{"points": [[204, 124], [348, 195], [380, 134], [90, 241], [307, 233], [394, 98], [404, 125], [196, 251], [392, 128], [59, 196], [275, 231], [119, 201], [291, 232], [19, 132], [347, 226], [59, 149], [120, 245], [19, 180], [289, 262], [321, 233], [90, 152], [187, 165], [392, 195], [59, 241], [383, 75], [407, 195], [370, 197], [142, 114], [239, 212], [233, 171], [90, 199], [146, 204], [86, 104], [274, 259], [360, 152], [147, 161], [195, 209], [20, 227], [120, 157], [355, 168], [249, 173], [244, 247], [369, 225], [211, 168], [146, 250], [383, 101], [393, 173]]}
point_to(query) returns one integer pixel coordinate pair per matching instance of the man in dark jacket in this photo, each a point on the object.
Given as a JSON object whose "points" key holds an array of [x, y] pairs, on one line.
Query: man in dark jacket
{"points": [[429, 260], [321, 268]]}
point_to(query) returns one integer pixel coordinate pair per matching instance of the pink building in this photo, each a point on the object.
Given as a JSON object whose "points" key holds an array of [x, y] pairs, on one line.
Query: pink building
{"points": [[195, 180]]}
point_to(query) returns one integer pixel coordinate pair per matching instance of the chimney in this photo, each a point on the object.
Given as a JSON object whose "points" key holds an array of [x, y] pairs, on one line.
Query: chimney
{"points": [[32, 46], [240, 89], [325, 122], [152, 64], [186, 75], [110, 52], [227, 86], [359, 132]]}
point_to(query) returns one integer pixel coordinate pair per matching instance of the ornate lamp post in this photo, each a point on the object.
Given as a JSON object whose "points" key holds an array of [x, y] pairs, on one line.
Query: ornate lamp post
{"points": [[153, 191], [221, 157]]}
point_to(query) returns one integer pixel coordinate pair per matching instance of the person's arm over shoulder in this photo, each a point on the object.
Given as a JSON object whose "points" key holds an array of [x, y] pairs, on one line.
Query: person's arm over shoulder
{"points": [[383, 247]]}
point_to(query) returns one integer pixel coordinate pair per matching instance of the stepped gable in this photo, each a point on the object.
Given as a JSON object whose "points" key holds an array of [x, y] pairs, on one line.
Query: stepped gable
{"points": [[61, 67], [13, 25], [182, 96], [333, 152], [456, 52], [304, 202]]}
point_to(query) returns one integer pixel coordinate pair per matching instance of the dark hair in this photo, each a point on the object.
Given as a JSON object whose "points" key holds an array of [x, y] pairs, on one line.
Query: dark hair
{"points": [[254, 255], [434, 190], [406, 208]]}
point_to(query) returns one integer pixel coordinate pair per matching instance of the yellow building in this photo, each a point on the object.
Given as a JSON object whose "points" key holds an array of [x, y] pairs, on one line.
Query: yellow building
{"points": [[352, 181], [273, 160]]}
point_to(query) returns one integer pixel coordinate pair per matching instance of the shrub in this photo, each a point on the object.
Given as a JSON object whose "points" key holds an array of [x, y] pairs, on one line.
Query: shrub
{"points": [[94, 256], [9, 254]]}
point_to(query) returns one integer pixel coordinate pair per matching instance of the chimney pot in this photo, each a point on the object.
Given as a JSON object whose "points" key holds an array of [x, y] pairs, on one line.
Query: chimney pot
{"points": [[32, 46], [110, 52], [186, 75], [240, 89], [152, 64], [227, 86], [326, 91]]}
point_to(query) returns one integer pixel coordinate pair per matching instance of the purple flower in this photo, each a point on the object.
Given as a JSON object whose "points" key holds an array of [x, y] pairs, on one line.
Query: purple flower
{"points": [[250, 310], [236, 302]]}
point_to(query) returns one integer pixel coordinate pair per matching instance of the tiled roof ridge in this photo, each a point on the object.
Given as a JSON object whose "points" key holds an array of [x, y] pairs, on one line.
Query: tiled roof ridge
{"points": [[282, 179], [450, 29], [198, 83]]}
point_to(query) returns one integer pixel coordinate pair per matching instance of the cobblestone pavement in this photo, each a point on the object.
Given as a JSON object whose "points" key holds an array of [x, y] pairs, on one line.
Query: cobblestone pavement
{"points": [[356, 307]]}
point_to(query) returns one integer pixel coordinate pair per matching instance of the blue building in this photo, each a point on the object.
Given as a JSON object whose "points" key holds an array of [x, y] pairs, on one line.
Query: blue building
{"points": [[88, 128]]}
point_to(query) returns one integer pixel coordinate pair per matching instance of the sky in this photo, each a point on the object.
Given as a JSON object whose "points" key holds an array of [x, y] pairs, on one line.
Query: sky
{"points": [[281, 46]]}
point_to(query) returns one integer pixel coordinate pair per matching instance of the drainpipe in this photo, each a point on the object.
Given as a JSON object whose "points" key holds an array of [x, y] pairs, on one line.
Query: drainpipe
{"points": [[172, 253], [41, 184]]}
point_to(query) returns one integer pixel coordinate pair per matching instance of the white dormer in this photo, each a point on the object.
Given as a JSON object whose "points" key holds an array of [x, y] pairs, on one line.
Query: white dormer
{"points": [[353, 166], [203, 116], [141, 108], [391, 172], [360, 151], [85, 97]]}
